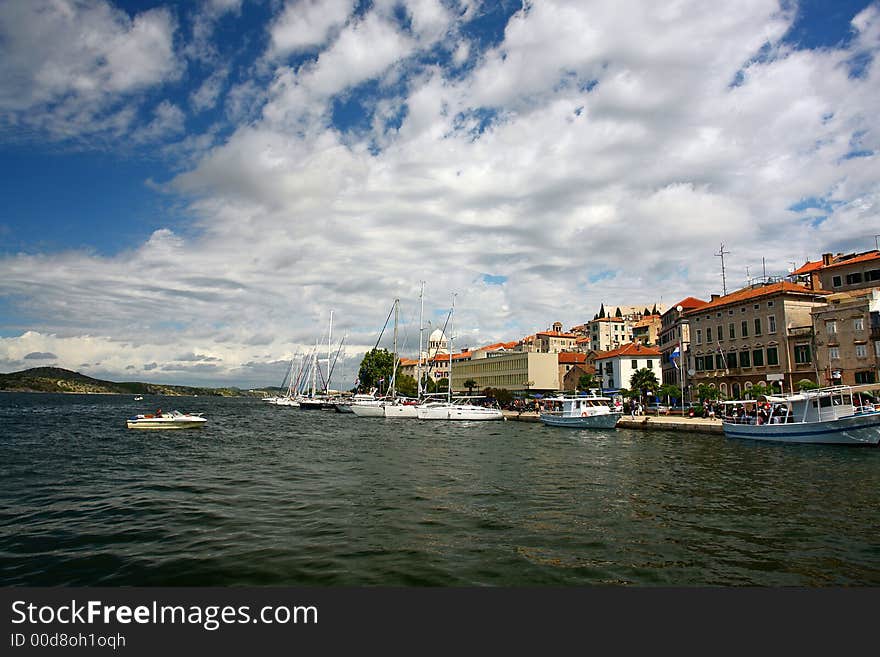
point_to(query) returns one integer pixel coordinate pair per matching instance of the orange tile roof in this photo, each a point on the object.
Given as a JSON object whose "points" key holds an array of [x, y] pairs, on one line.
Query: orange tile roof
{"points": [[609, 319], [571, 357], [807, 267], [557, 334], [629, 349], [689, 304], [749, 293], [584, 340], [862, 257]]}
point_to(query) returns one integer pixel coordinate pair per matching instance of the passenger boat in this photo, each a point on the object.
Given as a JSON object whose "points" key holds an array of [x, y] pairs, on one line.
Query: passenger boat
{"points": [[829, 416], [581, 412], [167, 420]]}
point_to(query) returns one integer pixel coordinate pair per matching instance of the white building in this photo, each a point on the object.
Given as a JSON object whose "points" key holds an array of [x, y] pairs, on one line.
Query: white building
{"points": [[616, 367]]}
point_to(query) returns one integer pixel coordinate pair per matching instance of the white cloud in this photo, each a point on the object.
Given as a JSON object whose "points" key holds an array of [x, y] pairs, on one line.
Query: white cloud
{"points": [[67, 65], [307, 23], [601, 152]]}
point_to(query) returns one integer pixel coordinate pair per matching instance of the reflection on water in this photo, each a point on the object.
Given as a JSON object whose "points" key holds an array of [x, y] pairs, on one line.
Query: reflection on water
{"points": [[275, 496]]}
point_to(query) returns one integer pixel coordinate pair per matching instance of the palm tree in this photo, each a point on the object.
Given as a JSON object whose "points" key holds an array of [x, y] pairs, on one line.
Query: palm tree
{"points": [[643, 380], [470, 384]]}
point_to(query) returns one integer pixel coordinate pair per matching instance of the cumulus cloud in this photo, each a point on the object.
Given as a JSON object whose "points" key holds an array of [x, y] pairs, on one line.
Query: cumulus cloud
{"points": [[67, 67], [600, 152]]}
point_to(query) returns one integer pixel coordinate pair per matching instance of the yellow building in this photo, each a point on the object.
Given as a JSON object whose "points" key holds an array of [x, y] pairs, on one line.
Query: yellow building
{"points": [[512, 370]]}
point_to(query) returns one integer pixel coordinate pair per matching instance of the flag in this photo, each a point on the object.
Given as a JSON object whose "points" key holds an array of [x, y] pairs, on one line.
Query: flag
{"points": [[675, 355]]}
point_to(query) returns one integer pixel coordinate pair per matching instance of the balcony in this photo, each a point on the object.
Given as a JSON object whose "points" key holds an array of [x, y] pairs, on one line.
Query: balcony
{"points": [[801, 331]]}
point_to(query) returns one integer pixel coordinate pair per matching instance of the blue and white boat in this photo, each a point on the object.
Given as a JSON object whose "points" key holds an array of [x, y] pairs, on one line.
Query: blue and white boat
{"points": [[826, 416], [580, 412]]}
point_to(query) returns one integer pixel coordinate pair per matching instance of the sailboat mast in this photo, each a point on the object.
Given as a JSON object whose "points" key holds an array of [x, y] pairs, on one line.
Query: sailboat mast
{"points": [[419, 357], [451, 349], [329, 333], [394, 368]]}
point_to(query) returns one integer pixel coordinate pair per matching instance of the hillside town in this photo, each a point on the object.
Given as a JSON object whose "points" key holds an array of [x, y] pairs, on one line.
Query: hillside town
{"points": [[819, 325]]}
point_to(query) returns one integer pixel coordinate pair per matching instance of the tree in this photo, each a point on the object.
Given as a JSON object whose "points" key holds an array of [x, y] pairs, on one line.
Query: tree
{"points": [[587, 381], [377, 364], [806, 384], [670, 392], [707, 392], [618, 313], [442, 385], [407, 386], [602, 311], [759, 390], [470, 384], [643, 380], [501, 395]]}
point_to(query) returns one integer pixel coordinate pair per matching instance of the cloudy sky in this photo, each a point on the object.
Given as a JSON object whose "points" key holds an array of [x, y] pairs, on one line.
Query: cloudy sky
{"points": [[189, 188]]}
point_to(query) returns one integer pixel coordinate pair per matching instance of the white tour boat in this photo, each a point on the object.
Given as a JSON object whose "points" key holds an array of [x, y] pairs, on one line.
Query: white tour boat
{"points": [[830, 416], [166, 420], [581, 412]]}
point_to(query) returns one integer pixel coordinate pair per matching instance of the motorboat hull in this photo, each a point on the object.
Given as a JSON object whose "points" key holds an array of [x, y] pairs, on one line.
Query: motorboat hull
{"points": [[401, 411], [851, 430], [176, 422], [600, 421], [368, 410]]}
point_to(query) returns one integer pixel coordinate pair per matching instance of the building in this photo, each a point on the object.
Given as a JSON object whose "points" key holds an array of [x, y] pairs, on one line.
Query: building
{"points": [[841, 272], [616, 367], [646, 331], [675, 334], [848, 338], [517, 371], [572, 365], [607, 333], [760, 334]]}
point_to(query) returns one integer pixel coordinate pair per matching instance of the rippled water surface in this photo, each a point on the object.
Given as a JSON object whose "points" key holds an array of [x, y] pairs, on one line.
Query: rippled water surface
{"points": [[278, 496]]}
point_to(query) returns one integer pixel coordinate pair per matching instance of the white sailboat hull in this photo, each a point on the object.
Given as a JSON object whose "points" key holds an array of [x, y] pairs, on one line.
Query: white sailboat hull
{"points": [[458, 412]]}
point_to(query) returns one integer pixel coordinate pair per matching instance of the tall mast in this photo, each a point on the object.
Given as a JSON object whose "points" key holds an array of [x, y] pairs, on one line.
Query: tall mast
{"points": [[394, 369], [451, 349], [329, 352], [419, 357], [314, 368]]}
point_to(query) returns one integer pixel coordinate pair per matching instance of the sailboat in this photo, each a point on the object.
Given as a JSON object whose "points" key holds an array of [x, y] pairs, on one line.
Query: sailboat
{"points": [[400, 407], [323, 401], [452, 408]]}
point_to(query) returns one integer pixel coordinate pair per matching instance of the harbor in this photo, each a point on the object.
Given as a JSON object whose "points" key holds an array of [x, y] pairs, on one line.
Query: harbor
{"points": [[273, 496]]}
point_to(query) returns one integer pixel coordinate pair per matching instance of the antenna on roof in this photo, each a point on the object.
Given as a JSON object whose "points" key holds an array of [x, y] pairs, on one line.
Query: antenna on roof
{"points": [[722, 253]]}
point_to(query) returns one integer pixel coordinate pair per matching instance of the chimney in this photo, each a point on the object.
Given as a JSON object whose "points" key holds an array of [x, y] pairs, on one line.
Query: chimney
{"points": [[826, 259], [715, 297]]}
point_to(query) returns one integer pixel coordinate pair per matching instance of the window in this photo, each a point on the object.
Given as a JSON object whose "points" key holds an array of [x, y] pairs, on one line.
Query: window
{"points": [[744, 326], [720, 332], [650, 364], [719, 362], [772, 356], [831, 327], [698, 364], [769, 304], [731, 360], [865, 377], [634, 364], [861, 351], [854, 279], [836, 281], [699, 336], [756, 306], [730, 311], [731, 331], [873, 275], [744, 359], [708, 334], [802, 354], [757, 326], [758, 357], [771, 323], [859, 324], [834, 353], [877, 349]]}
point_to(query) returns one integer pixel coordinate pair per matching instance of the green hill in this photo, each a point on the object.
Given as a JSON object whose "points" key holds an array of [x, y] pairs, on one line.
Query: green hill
{"points": [[56, 379]]}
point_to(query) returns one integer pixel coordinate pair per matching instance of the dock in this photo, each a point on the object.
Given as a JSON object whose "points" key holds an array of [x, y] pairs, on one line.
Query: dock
{"points": [[642, 422]]}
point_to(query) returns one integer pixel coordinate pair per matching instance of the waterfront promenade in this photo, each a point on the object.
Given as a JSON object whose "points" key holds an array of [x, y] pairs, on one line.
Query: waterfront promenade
{"points": [[643, 422]]}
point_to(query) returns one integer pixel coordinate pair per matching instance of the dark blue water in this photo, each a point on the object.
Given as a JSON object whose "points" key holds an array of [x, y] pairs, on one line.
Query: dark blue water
{"points": [[276, 496]]}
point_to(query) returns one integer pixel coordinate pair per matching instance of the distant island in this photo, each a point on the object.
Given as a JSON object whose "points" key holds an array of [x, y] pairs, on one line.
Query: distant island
{"points": [[57, 379]]}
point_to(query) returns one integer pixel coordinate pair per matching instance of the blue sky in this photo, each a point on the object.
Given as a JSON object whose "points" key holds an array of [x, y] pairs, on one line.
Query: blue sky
{"points": [[190, 187]]}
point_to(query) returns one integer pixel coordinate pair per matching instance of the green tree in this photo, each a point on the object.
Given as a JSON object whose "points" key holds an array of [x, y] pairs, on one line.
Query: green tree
{"points": [[669, 392], [442, 385], [407, 386], [377, 364], [643, 380], [759, 390], [806, 384], [470, 384], [587, 381], [706, 392], [503, 395]]}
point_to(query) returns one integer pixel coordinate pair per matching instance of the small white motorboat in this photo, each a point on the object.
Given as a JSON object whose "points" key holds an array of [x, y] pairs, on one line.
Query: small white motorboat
{"points": [[166, 420], [139, 398]]}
